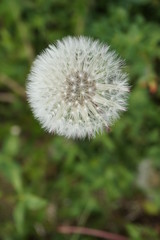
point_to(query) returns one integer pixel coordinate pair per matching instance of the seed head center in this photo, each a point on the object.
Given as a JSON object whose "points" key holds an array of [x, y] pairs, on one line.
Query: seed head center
{"points": [[80, 87]]}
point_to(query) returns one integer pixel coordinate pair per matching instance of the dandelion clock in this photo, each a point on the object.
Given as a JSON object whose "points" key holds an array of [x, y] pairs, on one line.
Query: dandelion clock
{"points": [[77, 87]]}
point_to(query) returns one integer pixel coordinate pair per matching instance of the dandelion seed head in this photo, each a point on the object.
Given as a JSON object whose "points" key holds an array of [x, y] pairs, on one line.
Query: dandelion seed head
{"points": [[77, 87]]}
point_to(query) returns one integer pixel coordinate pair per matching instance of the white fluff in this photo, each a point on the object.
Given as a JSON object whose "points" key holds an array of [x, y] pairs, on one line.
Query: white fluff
{"points": [[77, 87]]}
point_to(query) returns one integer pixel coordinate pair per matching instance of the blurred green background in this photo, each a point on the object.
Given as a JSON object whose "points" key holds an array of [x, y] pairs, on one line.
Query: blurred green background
{"points": [[110, 183]]}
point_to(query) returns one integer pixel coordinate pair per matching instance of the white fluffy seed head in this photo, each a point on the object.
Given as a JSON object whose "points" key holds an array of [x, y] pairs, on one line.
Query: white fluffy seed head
{"points": [[77, 87]]}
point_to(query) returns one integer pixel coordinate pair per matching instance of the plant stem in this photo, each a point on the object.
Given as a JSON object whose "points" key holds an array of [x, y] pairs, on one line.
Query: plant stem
{"points": [[90, 232]]}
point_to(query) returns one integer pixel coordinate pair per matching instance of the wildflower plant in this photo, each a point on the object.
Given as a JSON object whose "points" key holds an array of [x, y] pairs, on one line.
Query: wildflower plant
{"points": [[77, 87]]}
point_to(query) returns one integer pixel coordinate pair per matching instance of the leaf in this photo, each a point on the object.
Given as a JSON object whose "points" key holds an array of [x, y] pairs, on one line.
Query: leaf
{"points": [[134, 232], [11, 146], [151, 208], [33, 202], [19, 218], [11, 171]]}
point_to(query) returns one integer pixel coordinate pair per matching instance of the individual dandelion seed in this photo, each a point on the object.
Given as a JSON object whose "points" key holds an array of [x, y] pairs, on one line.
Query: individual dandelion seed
{"points": [[77, 87]]}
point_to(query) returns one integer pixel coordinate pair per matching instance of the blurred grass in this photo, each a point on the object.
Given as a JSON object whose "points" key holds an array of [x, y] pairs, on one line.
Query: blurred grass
{"points": [[111, 182]]}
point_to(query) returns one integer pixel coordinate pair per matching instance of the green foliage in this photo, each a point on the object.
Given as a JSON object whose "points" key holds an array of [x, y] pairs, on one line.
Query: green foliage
{"points": [[111, 182]]}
